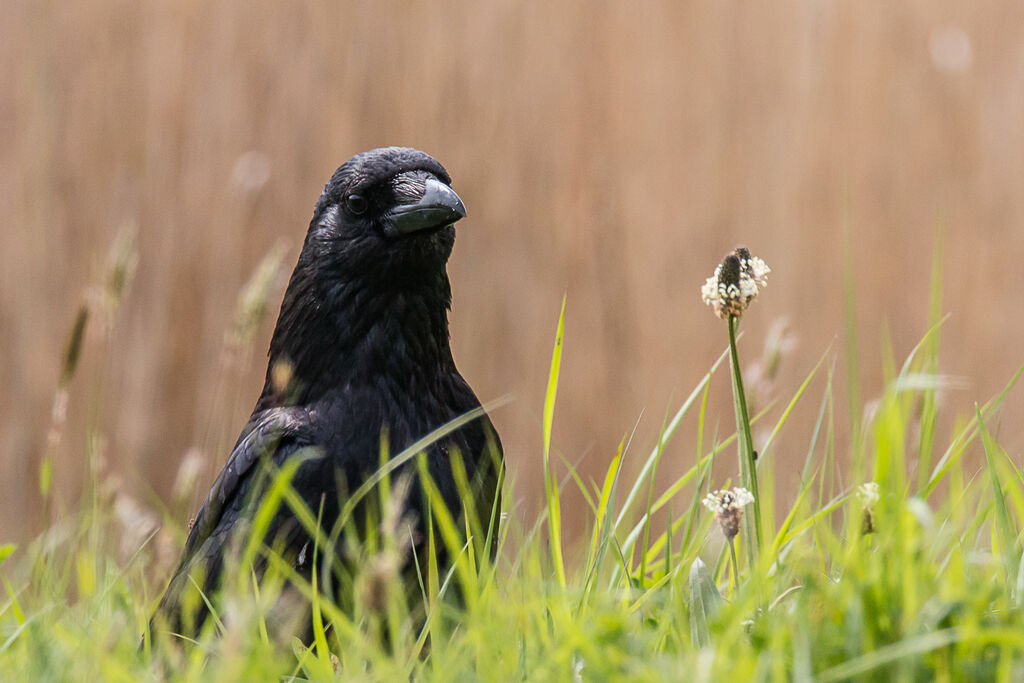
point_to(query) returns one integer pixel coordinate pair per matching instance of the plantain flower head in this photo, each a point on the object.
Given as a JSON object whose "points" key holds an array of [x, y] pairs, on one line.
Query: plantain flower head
{"points": [[868, 495], [727, 504], [735, 283]]}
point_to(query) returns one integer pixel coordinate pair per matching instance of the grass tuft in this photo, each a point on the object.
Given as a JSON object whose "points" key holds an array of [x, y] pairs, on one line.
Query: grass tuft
{"points": [[913, 572]]}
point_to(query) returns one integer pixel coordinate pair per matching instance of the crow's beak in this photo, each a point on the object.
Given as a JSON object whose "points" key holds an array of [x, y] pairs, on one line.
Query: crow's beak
{"points": [[439, 206]]}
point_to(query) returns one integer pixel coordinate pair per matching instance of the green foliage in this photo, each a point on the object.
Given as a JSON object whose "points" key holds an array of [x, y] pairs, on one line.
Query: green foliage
{"points": [[922, 582]]}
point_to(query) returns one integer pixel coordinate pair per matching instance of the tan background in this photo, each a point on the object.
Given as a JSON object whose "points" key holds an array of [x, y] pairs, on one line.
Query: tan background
{"points": [[610, 151]]}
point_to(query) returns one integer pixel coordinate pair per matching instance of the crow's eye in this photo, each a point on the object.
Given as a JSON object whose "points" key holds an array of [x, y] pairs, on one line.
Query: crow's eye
{"points": [[356, 204]]}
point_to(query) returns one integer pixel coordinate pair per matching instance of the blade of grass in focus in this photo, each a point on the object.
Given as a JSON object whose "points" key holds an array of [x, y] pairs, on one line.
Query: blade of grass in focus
{"points": [[554, 509]]}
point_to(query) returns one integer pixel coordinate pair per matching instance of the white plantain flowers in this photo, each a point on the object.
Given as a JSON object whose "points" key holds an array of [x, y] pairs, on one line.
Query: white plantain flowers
{"points": [[735, 283], [727, 504], [868, 494]]}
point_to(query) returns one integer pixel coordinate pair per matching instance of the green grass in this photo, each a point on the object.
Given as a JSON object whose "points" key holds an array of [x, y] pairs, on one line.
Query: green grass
{"points": [[934, 592]]}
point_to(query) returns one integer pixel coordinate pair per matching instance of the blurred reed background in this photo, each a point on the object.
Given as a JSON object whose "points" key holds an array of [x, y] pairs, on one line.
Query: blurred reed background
{"points": [[610, 151]]}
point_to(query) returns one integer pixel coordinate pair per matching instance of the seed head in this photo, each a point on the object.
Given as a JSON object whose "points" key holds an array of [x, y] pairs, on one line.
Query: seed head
{"points": [[735, 283], [727, 504], [189, 472], [868, 495]]}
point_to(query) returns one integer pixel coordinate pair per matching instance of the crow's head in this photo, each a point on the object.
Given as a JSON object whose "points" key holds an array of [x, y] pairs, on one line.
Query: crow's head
{"points": [[386, 211], [370, 293]]}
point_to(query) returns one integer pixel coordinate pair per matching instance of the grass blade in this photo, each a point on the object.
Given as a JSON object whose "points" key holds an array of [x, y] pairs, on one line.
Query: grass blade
{"points": [[704, 602], [550, 478], [1004, 526]]}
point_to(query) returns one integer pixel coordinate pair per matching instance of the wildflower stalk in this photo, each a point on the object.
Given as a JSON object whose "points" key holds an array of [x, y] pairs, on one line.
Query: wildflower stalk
{"points": [[729, 291], [727, 504], [748, 467], [735, 567]]}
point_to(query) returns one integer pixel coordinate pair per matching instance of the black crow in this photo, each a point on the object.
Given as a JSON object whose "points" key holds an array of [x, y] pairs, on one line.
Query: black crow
{"points": [[359, 360]]}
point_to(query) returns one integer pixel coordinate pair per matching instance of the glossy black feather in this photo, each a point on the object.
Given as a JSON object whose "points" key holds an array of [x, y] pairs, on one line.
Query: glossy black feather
{"points": [[362, 338]]}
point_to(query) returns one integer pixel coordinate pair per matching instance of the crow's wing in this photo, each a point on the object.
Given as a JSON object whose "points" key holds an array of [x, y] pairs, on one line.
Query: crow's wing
{"points": [[276, 434], [484, 459]]}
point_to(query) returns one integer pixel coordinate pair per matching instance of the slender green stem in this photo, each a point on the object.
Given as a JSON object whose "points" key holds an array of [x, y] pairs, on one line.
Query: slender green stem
{"points": [[735, 568], [748, 468]]}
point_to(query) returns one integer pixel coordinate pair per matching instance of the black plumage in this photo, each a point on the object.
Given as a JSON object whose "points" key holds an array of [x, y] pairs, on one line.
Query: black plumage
{"points": [[360, 352]]}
